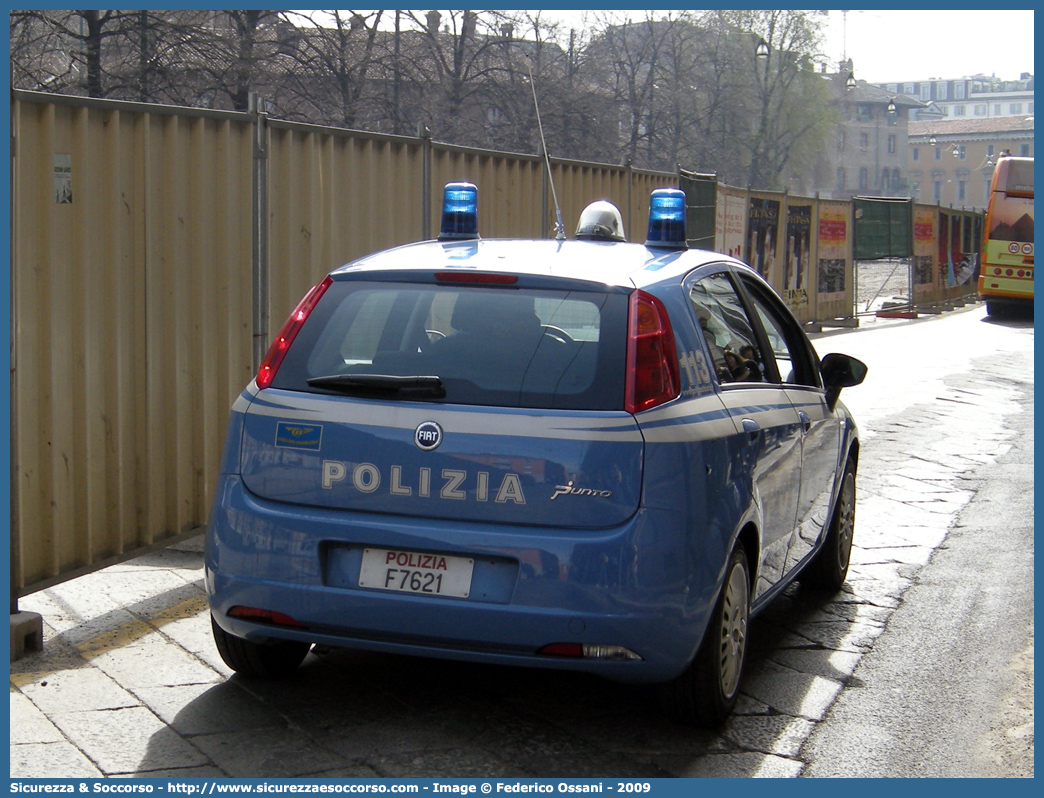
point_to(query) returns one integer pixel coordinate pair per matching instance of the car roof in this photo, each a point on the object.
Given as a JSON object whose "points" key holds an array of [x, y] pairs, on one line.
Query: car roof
{"points": [[611, 263]]}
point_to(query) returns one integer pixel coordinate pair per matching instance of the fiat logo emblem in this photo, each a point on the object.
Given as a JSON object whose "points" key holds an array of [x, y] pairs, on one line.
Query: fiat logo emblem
{"points": [[428, 436]]}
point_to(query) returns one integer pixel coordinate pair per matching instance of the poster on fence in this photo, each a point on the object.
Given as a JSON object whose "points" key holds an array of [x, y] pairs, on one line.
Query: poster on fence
{"points": [[832, 249], [948, 226], [731, 213], [924, 242], [762, 236], [796, 257], [956, 263], [63, 178]]}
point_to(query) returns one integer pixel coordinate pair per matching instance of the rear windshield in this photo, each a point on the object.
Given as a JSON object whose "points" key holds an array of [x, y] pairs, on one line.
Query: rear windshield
{"points": [[1020, 178], [488, 345]]}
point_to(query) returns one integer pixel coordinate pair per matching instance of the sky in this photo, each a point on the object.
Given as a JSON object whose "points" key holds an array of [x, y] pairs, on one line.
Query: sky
{"points": [[891, 46]]}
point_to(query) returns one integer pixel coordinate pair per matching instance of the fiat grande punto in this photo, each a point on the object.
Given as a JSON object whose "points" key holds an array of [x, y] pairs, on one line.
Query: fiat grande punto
{"points": [[581, 454]]}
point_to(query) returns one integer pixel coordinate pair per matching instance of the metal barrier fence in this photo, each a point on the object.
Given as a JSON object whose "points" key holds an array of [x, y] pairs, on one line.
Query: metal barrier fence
{"points": [[155, 250], [804, 247]]}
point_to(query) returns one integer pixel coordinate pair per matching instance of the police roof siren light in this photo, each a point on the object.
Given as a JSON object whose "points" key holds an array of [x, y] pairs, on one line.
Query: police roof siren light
{"points": [[601, 221], [459, 212], [667, 219]]}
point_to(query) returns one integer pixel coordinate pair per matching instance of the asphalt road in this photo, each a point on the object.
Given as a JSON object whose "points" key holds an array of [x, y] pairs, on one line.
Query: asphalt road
{"points": [[947, 690]]}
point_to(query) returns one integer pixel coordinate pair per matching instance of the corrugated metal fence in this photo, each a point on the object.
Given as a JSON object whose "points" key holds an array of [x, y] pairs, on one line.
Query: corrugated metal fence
{"points": [[131, 293], [156, 250]]}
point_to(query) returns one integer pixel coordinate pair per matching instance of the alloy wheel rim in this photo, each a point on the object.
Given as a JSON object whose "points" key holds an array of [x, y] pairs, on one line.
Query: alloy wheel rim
{"points": [[846, 522], [733, 630]]}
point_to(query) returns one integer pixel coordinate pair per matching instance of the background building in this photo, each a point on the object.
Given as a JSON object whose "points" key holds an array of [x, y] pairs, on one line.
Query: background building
{"points": [[868, 156], [977, 97], [951, 160]]}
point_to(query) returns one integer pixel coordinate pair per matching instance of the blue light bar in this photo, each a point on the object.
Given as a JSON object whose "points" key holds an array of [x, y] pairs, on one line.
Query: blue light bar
{"points": [[459, 212], [667, 219]]}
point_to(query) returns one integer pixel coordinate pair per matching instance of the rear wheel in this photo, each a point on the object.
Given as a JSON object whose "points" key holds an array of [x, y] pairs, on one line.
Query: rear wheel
{"points": [[268, 660], [706, 692], [829, 568]]}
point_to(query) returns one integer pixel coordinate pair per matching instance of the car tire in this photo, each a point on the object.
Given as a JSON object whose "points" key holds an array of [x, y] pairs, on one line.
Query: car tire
{"points": [[705, 694], [829, 567], [271, 659]]}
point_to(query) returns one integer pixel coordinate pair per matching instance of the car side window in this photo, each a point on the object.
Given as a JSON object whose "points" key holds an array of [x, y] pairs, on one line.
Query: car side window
{"points": [[786, 341], [727, 329]]}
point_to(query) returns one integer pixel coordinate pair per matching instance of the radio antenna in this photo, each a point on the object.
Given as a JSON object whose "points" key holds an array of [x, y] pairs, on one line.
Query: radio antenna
{"points": [[559, 227]]}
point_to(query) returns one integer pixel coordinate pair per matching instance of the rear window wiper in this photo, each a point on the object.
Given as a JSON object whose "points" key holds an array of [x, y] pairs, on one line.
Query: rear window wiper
{"points": [[382, 385]]}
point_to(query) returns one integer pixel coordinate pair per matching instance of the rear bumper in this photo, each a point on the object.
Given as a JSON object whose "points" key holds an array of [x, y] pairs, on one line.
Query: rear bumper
{"points": [[1016, 289], [636, 586]]}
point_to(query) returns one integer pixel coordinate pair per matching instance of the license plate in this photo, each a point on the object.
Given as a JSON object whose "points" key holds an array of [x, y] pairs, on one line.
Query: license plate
{"points": [[416, 572]]}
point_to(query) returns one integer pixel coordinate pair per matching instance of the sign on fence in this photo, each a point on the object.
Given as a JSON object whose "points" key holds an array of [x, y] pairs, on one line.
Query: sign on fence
{"points": [[883, 227]]}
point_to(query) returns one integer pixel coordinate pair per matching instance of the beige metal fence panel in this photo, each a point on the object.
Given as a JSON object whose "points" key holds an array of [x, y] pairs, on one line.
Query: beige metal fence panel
{"points": [[515, 200], [127, 315], [75, 456], [335, 196], [796, 242], [730, 222], [133, 281], [834, 267], [924, 265], [580, 184], [953, 256], [197, 307], [812, 265], [642, 186], [510, 189]]}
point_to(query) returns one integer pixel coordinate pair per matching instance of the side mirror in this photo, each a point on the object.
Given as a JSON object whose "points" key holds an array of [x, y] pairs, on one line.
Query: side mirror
{"points": [[840, 371]]}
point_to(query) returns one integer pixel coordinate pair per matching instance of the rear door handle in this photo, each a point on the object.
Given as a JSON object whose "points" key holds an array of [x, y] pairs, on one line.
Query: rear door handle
{"points": [[751, 427]]}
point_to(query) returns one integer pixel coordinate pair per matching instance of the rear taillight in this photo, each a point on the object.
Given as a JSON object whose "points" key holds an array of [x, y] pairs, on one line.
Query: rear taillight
{"points": [[277, 351], [652, 360]]}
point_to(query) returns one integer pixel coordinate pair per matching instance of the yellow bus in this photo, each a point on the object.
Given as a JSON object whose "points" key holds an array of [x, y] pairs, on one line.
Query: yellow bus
{"points": [[1006, 276]]}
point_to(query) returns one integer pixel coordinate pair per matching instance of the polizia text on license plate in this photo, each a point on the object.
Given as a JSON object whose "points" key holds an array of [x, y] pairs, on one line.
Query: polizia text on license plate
{"points": [[416, 572]]}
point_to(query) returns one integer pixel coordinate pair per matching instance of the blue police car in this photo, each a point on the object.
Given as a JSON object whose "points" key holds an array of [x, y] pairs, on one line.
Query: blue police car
{"points": [[580, 454]]}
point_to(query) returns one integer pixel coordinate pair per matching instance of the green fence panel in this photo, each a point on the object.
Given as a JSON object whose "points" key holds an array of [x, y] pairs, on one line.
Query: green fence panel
{"points": [[701, 193], [883, 227]]}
